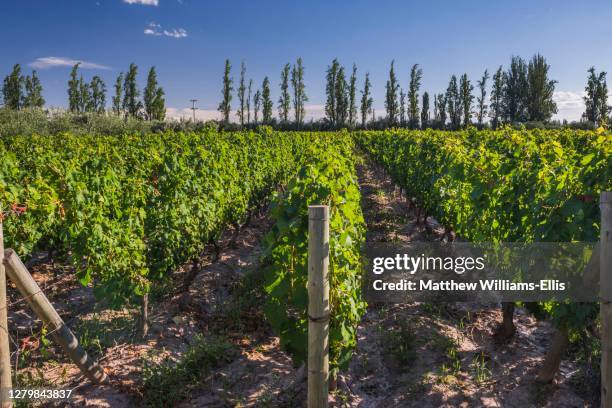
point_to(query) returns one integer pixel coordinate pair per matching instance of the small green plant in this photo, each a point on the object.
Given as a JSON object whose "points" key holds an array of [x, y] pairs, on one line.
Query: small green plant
{"points": [[441, 343], [434, 309], [169, 382], [453, 355], [96, 332], [45, 343], [482, 373], [465, 320], [26, 380], [401, 343]]}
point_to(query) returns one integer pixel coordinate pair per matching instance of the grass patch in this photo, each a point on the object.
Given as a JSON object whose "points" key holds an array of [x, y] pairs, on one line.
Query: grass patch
{"points": [[29, 380], [482, 373], [97, 333], [401, 343], [169, 382]]}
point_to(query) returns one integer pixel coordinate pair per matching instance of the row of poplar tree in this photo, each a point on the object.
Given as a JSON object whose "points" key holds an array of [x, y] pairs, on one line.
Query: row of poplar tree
{"points": [[295, 97], [91, 97], [21, 91], [521, 93]]}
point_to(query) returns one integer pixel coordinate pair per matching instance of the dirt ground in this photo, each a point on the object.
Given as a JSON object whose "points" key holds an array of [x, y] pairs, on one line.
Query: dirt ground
{"points": [[413, 355], [443, 355]]}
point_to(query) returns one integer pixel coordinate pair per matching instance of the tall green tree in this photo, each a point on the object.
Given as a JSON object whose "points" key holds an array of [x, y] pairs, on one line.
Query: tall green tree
{"points": [[266, 102], [98, 95], [299, 92], [241, 112], [84, 96], [596, 98], [116, 100], [366, 100], [256, 105], [402, 108], [590, 99], [154, 102], [352, 111], [482, 98], [131, 103], [248, 101], [33, 92], [442, 114], [602, 101], [540, 104], [436, 113], [74, 93], [391, 103], [12, 89], [516, 91], [466, 97], [416, 75], [225, 106], [330, 91], [497, 98], [284, 100], [342, 98], [159, 105], [453, 102], [425, 111]]}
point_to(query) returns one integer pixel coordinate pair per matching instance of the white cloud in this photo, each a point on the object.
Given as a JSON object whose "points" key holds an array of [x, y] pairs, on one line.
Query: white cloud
{"points": [[186, 113], [570, 105], [143, 2], [51, 62], [156, 30], [153, 29], [313, 112], [176, 33]]}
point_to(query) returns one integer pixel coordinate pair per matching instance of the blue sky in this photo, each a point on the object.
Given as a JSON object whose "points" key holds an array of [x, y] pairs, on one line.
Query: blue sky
{"points": [[188, 40]]}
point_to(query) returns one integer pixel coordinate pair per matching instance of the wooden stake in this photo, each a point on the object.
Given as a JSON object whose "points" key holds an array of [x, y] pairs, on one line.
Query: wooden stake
{"points": [[318, 305], [45, 311], [5, 352], [605, 270]]}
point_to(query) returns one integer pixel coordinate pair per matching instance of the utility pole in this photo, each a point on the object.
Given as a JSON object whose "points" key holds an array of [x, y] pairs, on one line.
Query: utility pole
{"points": [[193, 108]]}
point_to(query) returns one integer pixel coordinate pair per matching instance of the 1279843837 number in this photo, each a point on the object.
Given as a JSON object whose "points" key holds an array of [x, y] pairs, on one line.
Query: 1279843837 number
{"points": [[38, 393]]}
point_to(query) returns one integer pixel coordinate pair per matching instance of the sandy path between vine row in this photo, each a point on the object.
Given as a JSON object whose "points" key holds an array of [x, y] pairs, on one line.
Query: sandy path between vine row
{"points": [[444, 355]]}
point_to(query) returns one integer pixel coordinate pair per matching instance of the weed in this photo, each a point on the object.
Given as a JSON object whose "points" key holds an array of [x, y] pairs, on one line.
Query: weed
{"points": [[401, 343], [28, 380], [96, 334], [482, 373], [168, 382]]}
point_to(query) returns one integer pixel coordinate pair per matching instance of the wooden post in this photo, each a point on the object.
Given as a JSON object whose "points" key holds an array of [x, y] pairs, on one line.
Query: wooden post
{"points": [[605, 270], [318, 305], [5, 352], [45, 311]]}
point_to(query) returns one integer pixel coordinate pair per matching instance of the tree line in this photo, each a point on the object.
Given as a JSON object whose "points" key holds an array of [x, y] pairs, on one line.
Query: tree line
{"points": [[292, 95], [19, 92], [521, 93]]}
